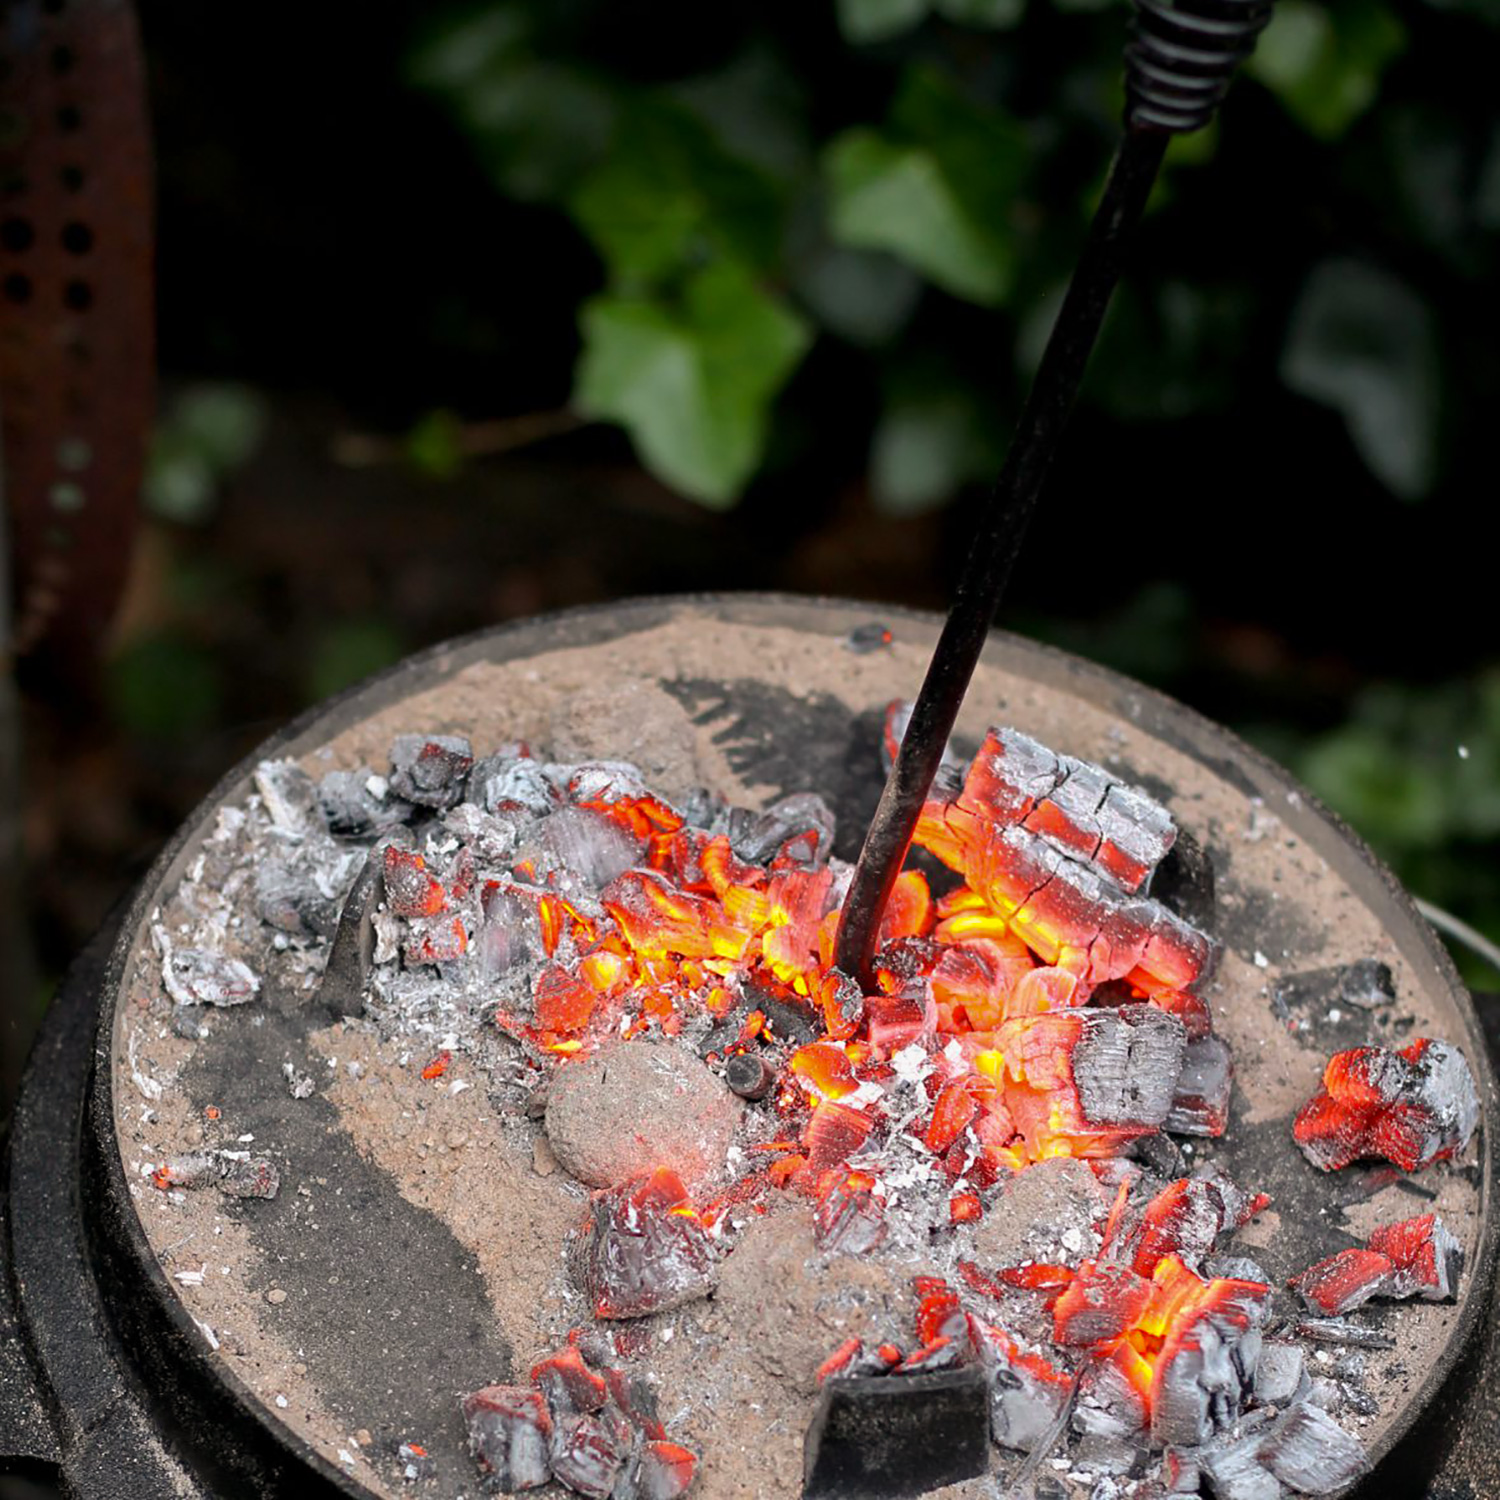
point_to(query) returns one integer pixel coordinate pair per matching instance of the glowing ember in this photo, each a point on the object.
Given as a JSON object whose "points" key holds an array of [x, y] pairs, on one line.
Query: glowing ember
{"points": [[1413, 1107]]}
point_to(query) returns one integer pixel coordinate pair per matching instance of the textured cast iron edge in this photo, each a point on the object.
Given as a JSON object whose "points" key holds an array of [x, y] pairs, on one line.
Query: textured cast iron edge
{"points": [[1154, 712]]}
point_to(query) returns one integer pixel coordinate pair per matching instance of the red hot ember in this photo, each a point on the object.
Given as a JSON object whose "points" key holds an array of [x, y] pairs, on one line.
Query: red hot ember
{"points": [[1412, 1107], [1046, 1007]]}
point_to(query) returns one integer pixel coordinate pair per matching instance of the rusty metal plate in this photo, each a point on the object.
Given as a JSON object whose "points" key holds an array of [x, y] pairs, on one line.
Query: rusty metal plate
{"points": [[77, 393]]}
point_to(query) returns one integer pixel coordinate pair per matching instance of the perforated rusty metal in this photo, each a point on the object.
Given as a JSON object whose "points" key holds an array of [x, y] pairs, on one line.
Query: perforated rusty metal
{"points": [[76, 338]]}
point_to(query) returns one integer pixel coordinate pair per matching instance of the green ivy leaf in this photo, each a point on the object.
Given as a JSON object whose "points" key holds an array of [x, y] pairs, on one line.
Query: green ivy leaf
{"points": [[692, 383], [1362, 342], [864, 21], [936, 189], [669, 198], [1326, 67]]}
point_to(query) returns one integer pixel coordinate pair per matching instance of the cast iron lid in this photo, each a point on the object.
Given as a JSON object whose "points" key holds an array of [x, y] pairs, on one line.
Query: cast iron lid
{"points": [[373, 1289]]}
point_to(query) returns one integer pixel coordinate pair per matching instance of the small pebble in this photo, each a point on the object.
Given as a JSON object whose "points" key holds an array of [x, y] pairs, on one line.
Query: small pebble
{"points": [[299, 1369], [276, 1296], [363, 1438], [543, 1162], [457, 1140]]}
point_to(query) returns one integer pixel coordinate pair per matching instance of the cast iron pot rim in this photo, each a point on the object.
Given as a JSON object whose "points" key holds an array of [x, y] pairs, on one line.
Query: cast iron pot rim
{"points": [[1158, 715]]}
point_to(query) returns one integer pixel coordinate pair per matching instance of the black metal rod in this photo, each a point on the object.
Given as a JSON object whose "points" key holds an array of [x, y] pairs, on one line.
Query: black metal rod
{"points": [[996, 544]]}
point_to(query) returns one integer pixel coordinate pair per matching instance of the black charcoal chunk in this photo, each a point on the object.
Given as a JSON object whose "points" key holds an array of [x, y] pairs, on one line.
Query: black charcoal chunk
{"points": [[415, 1462], [801, 825], [1200, 1103], [864, 639], [885, 1437], [589, 1451], [1310, 1453], [430, 770], [1126, 1064]]}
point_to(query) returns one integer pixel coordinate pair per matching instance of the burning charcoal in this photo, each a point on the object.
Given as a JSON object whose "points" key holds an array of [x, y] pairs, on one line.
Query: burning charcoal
{"points": [[568, 1383], [1234, 1472], [834, 1133], [510, 1433], [1235, 1268], [411, 889], [1309, 1452], [1026, 1393], [616, 1114], [1099, 1305], [416, 1462], [1184, 883], [1107, 1455], [357, 804], [864, 639], [849, 1218], [1343, 1281], [1343, 1331], [646, 1250], [664, 1471], [589, 846], [1126, 1065], [1200, 1105], [1279, 1372], [1201, 1379], [252, 1178], [502, 782], [194, 976], [749, 1075], [1413, 1107], [788, 1019], [800, 826], [1427, 1260], [1109, 1403], [1180, 1472], [430, 771], [589, 1450], [896, 1436]]}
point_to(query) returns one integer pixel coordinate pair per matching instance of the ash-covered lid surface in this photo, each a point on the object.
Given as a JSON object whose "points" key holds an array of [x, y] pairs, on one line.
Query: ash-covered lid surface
{"points": [[596, 1091]]}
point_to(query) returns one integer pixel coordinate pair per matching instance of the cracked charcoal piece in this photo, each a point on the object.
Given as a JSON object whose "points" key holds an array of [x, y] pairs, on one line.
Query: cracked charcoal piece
{"points": [[192, 1169], [639, 1256], [1205, 1374], [196, 977], [1126, 1065], [1108, 1404], [288, 794], [352, 808], [1200, 1103], [1310, 1453], [1427, 1260], [568, 1384], [411, 889], [430, 770], [886, 1437], [510, 1433], [288, 899], [664, 1471], [435, 940], [1343, 1281], [849, 1220], [1413, 1107]]}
